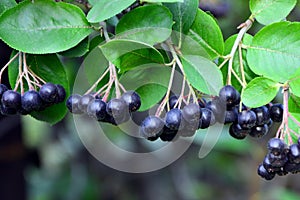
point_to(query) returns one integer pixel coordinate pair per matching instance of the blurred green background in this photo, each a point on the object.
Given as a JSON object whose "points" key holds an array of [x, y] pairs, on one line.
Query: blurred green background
{"points": [[69, 172]]}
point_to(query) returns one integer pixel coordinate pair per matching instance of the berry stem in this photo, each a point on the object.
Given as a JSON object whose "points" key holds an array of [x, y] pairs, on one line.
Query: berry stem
{"points": [[223, 63], [97, 82], [25, 70], [7, 64], [242, 65], [245, 27], [36, 77]]}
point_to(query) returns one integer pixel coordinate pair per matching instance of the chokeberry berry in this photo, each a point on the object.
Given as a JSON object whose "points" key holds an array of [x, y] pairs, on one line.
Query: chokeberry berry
{"points": [[294, 154], [262, 115], [49, 93], [117, 108], [168, 134], [11, 99], [261, 171], [207, 119], [7, 111], [97, 109], [192, 113], [237, 132], [229, 95], [202, 102], [259, 131], [151, 127], [218, 107], [291, 167], [85, 101], [174, 119], [3, 88], [277, 160], [72, 104], [231, 116], [247, 119], [31, 101], [61, 93], [132, 100], [276, 112], [172, 101], [276, 146]]}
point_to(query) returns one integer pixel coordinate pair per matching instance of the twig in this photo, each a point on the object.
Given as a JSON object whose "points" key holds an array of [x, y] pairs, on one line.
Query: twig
{"points": [[7, 64], [97, 82], [242, 65]]}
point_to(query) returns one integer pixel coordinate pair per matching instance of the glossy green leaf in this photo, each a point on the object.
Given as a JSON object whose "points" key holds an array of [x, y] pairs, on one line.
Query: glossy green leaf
{"points": [[154, 28], [105, 9], [249, 75], [128, 54], [294, 104], [203, 74], [50, 69], [26, 27], [190, 46], [269, 11], [183, 14], [93, 2], [259, 92], [274, 52], [79, 50], [6, 4], [207, 33], [294, 83], [150, 88]]}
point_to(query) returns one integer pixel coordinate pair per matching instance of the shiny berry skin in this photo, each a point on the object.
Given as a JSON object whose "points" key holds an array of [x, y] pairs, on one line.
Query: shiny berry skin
{"points": [[168, 135], [49, 93], [294, 154], [191, 113], [132, 99], [7, 111], [237, 132], [262, 115], [259, 131], [72, 104], [151, 127], [174, 119], [172, 101], [3, 88], [117, 108], [202, 102], [61, 93], [247, 119], [11, 99], [207, 119], [291, 167], [218, 107], [229, 95], [261, 171], [97, 109], [278, 160], [85, 101], [276, 112], [276, 146], [231, 116], [31, 101]]}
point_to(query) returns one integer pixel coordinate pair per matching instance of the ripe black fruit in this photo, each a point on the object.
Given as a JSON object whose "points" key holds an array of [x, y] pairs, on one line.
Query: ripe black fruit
{"points": [[247, 119], [11, 99], [7, 111], [294, 154], [218, 107], [276, 146], [191, 113], [229, 95], [85, 101], [207, 119], [3, 88], [61, 93], [261, 171], [237, 132], [202, 102], [276, 112], [262, 115], [174, 119], [117, 108], [31, 101], [259, 131], [231, 116], [168, 135], [151, 127], [72, 104], [49, 93], [172, 101], [132, 99], [97, 109]]}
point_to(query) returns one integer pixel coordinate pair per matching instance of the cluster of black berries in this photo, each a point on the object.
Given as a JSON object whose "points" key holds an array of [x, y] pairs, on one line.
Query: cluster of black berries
{"points": [[115, 111], [178, 122], [281, 159], [13, 102]]}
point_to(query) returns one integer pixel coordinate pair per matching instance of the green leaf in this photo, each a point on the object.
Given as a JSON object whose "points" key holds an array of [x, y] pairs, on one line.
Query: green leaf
{"points": [[274, 52], [203, 74], [105, 9], [294, 83], [128, 54], [183, 14], [154, 28], [94, 65], [162, 1], [150, 88], [294, 104], [207, 33], [50, 69], [6, 4], [249, 75], [269, 11], [43, 26], [79, 50], [259, 92], [189, 46]]}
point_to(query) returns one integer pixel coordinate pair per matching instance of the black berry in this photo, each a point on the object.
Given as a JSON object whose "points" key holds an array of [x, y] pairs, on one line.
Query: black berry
{"points": [[151, 127], [117, 108], [261, 171], [276, 146], [207, 119], [174, 119], [191, 113], [85, 101], [172, 101], [229, 95], [3, 88], [294, 154], [31, 101], [276, 112], [259, 131], [247, 119], [11, 99], [72, 104], [61, 93], [49, 93], [237, 132], [97, 109], [262, 115], [132, 100]]}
